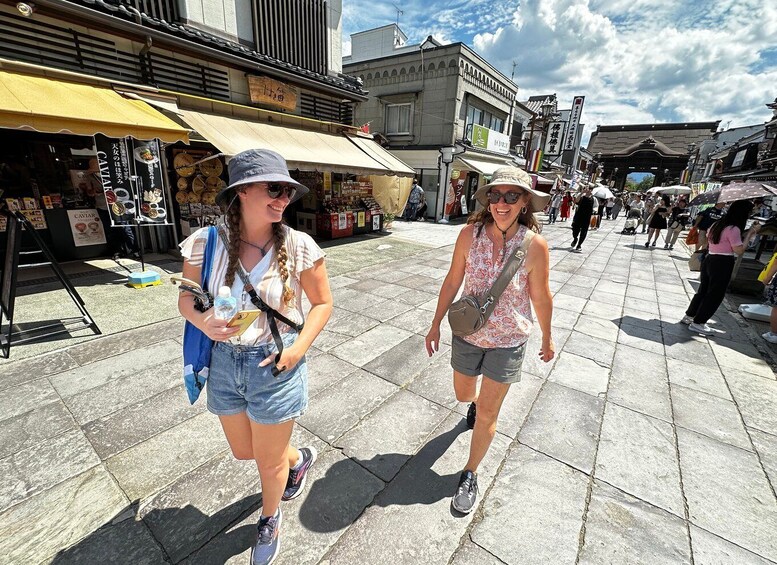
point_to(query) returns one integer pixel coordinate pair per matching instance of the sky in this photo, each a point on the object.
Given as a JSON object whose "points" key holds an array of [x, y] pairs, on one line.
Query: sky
{"points": [[635, 61]]}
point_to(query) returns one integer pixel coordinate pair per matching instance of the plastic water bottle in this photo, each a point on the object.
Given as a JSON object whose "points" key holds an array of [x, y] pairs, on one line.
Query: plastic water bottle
{"points": [[225, 305]]}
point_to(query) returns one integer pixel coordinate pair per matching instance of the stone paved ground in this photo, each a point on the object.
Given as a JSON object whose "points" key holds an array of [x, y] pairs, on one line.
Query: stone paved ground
{"points": [[639, 443]]}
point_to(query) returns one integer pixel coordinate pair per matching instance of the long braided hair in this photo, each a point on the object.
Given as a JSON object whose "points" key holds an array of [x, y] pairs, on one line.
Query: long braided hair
{"points": [[233, 219]]}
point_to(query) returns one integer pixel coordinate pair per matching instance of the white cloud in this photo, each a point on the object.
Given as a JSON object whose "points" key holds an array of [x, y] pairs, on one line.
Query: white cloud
{"points": [[643, 61], [636, 61], [346, 47]]}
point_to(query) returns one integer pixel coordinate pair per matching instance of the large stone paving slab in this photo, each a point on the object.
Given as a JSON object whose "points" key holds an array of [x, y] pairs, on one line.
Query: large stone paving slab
{"points": [[185, 515], [405, 361], [709, 415], [361, 350], [18, 372], [595, 348], [402, 423], [31, 428], [710, 380], [742, 357], [637, 455], [564, 424], [119, 367], [59, 517], [639, 382], [580, 373], [327, 416], [472, 554], [412, 520], [766, 446], [147, 467], [44, 465], [24, 398], [727, 493], [325, 370], [709, 549], [756, 398], [623, 529], [99, 401], [539, 503]]}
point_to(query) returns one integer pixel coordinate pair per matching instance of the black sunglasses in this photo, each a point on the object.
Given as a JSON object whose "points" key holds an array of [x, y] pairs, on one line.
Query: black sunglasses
{"points": [[509, 197], [274, 190]]}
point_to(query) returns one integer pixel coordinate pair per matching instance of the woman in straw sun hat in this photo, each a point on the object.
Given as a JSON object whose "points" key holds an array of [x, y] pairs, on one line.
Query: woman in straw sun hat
{"points": [[496, 350], [256, 391]]}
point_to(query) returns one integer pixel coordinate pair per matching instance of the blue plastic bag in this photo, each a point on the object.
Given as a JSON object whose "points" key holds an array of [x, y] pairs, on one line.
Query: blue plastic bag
{"points": [[196, 345]]}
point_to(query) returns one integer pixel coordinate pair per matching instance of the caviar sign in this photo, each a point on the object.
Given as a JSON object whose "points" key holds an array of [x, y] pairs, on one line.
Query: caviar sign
{"points": [[114, 163]]}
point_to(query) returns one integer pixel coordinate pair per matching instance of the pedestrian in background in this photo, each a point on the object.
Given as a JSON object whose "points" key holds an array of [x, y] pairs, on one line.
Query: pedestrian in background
{"points": [[257, 409], [566, 205], [704, 221], [678, 218], [609, 205], [650, 203], [616, 208], [413, 201], [582, 218], [496, 350], [555, 204], [600, 211], [725, 244], [658, 220]]}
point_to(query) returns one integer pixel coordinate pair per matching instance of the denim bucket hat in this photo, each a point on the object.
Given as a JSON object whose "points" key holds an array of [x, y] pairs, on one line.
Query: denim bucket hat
{"points": [[257, 165]]}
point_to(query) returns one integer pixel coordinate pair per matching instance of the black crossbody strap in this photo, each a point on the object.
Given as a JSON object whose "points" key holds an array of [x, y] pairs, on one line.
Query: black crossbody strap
{"points": [[514, 263], [262, 305]]}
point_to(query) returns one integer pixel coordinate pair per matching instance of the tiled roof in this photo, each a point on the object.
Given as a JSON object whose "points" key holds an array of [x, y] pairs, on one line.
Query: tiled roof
{"points": [[676, 137], [534, 103], [209, 40]]}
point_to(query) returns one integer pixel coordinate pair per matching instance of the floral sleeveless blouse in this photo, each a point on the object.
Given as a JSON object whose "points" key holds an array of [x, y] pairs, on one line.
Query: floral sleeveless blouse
{"points": [[511, 321]]}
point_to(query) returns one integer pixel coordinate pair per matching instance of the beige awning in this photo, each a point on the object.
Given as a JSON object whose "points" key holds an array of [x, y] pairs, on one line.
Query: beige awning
{"points": [[302, 149], [482, 166], [386, 158]]}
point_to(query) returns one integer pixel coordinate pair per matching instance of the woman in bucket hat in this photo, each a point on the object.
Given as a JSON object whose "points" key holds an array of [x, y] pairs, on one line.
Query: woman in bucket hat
{"points": [[496, 350], [256, 393]]}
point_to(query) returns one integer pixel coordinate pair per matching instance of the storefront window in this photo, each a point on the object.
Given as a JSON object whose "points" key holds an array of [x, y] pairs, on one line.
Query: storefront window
{"points": [[398, 118]]}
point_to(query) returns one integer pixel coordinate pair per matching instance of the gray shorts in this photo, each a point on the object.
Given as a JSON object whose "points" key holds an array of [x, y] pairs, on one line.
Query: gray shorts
{"points": [[502, 365]]}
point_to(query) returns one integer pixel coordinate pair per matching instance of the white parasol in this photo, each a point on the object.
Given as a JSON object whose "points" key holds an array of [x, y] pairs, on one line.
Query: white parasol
{"points": [[602, 192]]}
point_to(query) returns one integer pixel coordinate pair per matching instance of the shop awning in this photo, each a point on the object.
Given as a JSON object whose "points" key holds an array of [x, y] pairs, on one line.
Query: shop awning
{"points": [[481, 166], [36, 103], [387, 159], [302, 149]]}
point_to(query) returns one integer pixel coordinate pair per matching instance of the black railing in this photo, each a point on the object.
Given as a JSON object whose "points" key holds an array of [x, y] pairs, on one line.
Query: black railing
{"points": [[33, 41]]}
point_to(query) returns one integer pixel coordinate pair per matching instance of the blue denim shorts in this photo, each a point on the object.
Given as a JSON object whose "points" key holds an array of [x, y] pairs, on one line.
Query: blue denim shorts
{"points": [[236, 383]]}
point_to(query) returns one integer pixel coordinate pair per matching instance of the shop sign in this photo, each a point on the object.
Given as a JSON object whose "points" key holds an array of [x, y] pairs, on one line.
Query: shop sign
{"points": [[555, 138], [376, 223], [327, 181], [114, 165], [490, 139], [271, 92], [342, 221], [570, 140], [150, 181], [360, 221], [86, 227]]}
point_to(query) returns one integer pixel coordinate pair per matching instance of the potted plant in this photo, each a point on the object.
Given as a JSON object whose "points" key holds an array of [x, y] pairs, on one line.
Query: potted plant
{"points": [[388, 218]]}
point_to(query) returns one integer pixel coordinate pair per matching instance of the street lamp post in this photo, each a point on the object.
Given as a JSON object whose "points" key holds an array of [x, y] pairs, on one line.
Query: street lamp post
{"points": [[692, 147], [447, 154], [544, 117]]}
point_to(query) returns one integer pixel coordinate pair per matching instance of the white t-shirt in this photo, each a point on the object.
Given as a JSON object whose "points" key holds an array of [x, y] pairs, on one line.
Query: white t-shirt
{"points": [[302, 253]]}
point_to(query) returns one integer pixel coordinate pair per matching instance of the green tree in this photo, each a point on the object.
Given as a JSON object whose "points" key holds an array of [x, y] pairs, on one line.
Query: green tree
{"points": [[645, 183]]}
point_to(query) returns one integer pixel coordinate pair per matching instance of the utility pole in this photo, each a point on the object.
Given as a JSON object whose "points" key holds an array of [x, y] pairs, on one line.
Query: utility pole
{"points": [[512, 74]]}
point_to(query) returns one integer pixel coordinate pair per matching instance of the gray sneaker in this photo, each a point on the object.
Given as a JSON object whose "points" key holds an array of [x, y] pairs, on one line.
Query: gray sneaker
{"points": [[297, 477], [466, 494], [268, 541]]}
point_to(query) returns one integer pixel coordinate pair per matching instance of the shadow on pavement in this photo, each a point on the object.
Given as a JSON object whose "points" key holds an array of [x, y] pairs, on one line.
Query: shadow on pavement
{"points": [[326, 507], [127, 538]]}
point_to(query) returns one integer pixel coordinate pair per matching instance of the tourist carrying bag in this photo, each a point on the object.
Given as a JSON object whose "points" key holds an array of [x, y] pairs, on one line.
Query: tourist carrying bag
{"points": [[196, 345], [467, 315], [694, 263], [693, 236]]}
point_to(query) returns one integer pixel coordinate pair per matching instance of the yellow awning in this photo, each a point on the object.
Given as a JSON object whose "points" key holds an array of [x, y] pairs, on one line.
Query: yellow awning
{"points": [[481, 166], [302, 149], [37, 103]]}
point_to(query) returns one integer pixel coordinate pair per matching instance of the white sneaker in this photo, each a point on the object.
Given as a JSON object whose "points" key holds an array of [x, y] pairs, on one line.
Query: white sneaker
{"points": [[686, 320], [770, 337], [703, 329]]}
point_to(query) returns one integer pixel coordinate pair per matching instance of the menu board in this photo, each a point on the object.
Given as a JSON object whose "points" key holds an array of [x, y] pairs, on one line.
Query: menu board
{"points": [[86, 227], [114, 165], [149, 181]]}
